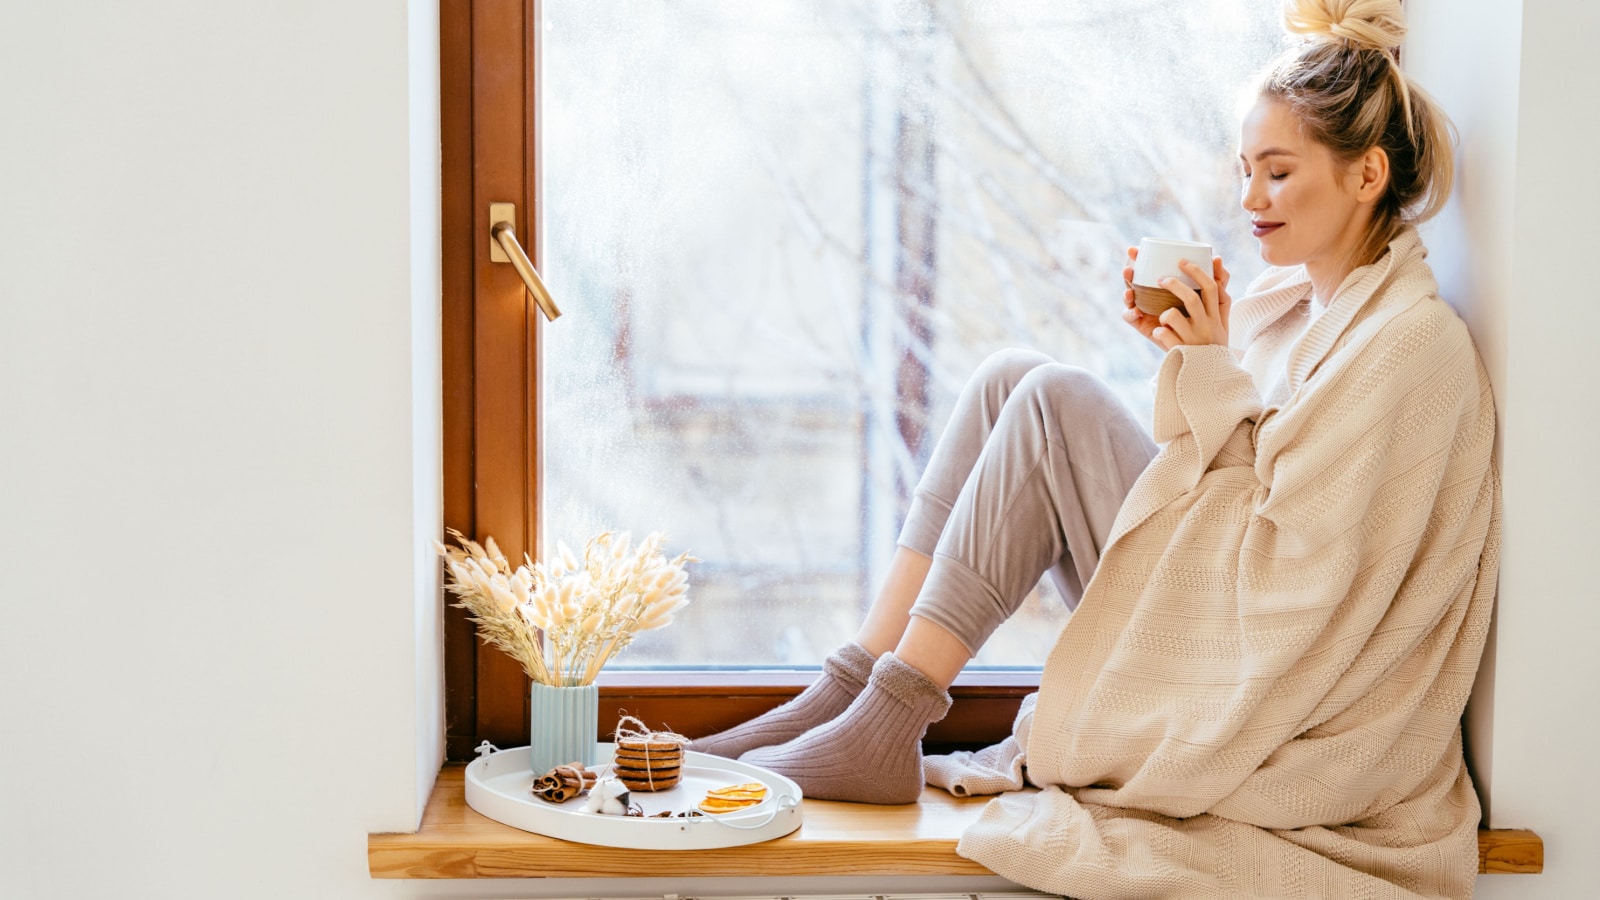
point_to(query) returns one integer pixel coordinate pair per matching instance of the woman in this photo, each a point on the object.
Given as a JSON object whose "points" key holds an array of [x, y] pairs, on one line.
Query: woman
{"points": [[1285, 594]]}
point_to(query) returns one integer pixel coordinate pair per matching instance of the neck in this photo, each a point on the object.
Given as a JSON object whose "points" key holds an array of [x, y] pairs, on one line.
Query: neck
{"points": [[1330, 269], [1325, 278]]}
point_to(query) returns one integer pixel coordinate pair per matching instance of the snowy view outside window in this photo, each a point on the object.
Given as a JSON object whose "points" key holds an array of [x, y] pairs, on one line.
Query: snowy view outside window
{"points": [[785, 232]]}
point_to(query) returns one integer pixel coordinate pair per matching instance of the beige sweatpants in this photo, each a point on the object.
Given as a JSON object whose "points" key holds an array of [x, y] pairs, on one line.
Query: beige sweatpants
{"points": [[1026, 479]]}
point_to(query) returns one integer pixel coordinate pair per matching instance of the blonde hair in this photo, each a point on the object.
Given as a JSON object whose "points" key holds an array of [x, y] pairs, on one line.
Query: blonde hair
{"points": [[1345, 85]]}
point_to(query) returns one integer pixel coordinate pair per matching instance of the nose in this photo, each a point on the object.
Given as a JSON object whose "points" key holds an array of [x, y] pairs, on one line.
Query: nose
{"points": [[1253, 197]]}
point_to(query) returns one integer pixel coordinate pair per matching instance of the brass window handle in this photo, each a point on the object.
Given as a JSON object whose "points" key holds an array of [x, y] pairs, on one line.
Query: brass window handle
{"points": [[504, 248]]}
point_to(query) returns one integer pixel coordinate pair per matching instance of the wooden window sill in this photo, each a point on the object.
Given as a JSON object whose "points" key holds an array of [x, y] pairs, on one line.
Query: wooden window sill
{"points": [[836, 839]]}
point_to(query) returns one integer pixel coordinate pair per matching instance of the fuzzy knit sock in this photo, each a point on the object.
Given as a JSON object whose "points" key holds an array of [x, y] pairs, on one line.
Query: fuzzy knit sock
{"points": [[844, 674], [871, 753]]}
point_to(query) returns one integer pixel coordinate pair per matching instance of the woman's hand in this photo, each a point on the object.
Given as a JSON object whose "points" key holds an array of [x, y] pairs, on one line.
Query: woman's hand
{"points": [[1208, 308], [1142, 323]]}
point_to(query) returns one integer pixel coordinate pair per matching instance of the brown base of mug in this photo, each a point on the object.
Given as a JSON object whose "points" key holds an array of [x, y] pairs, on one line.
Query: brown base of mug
{"points": [[1153, 301]]}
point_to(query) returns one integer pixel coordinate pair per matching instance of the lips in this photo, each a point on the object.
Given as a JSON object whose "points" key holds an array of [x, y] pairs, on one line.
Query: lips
{"points": [[1262, 229]]}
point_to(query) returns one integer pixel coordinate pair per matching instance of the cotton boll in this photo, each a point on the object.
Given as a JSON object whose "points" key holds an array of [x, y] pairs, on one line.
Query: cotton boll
{"points": [[609, 797]]}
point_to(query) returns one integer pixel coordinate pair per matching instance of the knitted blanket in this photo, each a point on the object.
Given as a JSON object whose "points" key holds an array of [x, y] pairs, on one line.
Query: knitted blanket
{"points": [[1260, 693]]}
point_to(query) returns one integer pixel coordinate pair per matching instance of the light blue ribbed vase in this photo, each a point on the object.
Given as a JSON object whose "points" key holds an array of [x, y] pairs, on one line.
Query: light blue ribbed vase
{"points": [[563, 722]]}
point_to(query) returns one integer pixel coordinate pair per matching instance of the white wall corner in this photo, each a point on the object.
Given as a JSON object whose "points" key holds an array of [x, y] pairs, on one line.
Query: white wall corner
{"points": [[422, 35], [1471, 65], [1514, 76]]}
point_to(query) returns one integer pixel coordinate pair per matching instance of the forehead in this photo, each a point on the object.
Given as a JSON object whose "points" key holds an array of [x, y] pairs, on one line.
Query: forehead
{"points": [[1269, 126]]}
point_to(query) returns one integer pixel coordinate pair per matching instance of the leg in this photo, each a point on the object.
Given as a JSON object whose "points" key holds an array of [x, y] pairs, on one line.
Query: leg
{"points": [[1042, 499], [846, 670], [934, 651], [890, 613], [960, 444], [1044, 492]]}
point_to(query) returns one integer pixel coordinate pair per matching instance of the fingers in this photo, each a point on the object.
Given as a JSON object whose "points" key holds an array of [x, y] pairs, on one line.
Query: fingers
{"points": [[1165, 338], [1207, 294], [1224, 299], [1145, 325], [1180, 328], [1207, 307], [1141, 323], [1192, 302]]}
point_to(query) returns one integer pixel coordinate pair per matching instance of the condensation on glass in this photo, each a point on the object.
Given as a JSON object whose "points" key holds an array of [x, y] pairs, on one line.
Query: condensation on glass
{"points": [[785, 232]]}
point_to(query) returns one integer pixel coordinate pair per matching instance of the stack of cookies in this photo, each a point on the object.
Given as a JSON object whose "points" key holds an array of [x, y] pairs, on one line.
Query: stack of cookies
{"points": [[649, 762]]}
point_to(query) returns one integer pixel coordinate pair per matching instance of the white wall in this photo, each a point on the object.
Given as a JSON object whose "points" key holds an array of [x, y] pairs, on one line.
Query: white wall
{"points": [[1519, 80], [1471, 66], [219, 662], [219, 443], [219, 452]]}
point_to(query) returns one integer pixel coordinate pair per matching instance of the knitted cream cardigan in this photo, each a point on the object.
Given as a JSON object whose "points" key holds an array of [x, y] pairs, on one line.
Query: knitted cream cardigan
{"points": [[1260, 694]]}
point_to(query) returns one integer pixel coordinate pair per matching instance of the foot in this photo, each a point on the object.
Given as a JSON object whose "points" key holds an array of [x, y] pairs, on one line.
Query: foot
{"points": [[871, 753], [844, 674]]}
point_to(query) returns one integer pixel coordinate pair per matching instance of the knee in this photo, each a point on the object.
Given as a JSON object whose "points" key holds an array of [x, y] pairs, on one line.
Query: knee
{"points": [[1068, 389], [1005, 369]]}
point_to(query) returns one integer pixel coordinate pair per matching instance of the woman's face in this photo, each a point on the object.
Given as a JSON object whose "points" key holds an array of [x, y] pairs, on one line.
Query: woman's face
{"points": [[1304, 205]]}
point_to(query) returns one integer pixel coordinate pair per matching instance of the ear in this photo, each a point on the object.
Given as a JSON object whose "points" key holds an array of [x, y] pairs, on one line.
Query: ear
{"points": [[1373, 167]]}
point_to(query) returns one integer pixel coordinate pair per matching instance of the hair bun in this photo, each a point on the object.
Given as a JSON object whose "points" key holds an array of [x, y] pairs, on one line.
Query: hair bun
{"points": [[1365, 24]]}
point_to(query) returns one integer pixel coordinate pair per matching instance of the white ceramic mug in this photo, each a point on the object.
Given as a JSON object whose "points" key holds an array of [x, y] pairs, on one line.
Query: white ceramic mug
{"points": [[1159, 259]]}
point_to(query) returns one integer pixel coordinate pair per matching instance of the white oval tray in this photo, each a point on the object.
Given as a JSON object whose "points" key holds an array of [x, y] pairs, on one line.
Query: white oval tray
{"points": [[499, 785]]}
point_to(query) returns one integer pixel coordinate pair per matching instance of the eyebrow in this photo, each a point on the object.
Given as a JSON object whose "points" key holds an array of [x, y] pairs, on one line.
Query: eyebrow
{"points": [[1270, 151]]}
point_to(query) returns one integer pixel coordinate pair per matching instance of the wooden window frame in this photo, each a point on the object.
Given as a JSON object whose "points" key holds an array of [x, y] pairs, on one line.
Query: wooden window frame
{"points": [[489, 78]]}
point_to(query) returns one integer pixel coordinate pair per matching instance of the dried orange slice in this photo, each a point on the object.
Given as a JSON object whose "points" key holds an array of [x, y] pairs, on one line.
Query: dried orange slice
{"points": [[733, 797], [751, 787], [714, 807]]}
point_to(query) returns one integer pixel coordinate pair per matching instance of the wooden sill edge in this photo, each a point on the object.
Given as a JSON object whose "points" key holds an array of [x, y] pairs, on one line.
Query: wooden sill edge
{"points": [[837, 839]]}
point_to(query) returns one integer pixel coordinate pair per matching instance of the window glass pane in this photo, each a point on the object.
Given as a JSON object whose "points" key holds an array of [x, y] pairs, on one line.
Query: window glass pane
{"points": [[785, 232]]}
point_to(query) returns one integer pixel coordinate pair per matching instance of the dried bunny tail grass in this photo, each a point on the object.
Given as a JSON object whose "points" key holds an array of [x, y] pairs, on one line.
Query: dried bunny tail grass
{"points": [[481, 579], [566, 619], [504, 631], [538, 612], [500, 591], [469, 548], [661, 615]]}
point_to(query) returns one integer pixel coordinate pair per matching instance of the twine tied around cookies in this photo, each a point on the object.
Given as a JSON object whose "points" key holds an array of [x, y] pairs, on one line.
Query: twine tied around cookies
{"points": [[632, 732], [632, 728]]}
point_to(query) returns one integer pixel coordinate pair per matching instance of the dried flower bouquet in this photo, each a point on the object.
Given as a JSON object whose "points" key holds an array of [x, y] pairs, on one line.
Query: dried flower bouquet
{"points": [[565, 619]]}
